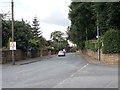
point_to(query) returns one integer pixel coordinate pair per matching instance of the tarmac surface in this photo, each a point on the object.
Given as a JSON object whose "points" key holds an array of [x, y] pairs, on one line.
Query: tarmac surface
{"points": [[71, 71]]}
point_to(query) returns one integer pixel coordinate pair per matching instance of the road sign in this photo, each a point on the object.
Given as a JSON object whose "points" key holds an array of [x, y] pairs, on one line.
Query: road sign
{"points": [[93, 41], [12, 45]]}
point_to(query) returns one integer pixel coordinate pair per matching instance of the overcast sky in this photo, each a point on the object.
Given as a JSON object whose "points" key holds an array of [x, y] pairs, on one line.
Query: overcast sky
{"points": [[52, 14]]}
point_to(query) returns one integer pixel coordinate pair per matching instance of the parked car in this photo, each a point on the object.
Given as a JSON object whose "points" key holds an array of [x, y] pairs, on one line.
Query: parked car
{"points": [[61, 53]]}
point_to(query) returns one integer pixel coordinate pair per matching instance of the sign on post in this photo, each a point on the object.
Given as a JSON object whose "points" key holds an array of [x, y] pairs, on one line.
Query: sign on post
{"points": [[93, 41], [12, 45]]}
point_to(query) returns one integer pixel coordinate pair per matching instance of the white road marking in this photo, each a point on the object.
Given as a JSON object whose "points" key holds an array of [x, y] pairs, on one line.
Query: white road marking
{"points": [[71, 76], [79, 70]]}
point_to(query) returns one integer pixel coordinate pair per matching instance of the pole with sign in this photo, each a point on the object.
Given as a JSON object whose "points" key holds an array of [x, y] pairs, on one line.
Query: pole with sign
{"points": [[98, 40], [13, 43]]}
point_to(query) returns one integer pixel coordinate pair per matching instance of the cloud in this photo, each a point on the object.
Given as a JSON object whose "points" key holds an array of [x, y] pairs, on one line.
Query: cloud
{"points": [[57, 17], [52, 14], [47, 29]]}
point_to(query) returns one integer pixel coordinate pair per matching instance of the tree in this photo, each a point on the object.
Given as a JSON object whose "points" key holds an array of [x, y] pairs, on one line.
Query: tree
{"points": [[113, 15], [6, 32], [111, 41], [36, 29], [59, 42], [82, 21], [85, 17], [57, 36], [25, 35], [22, 34], [107, 15]]}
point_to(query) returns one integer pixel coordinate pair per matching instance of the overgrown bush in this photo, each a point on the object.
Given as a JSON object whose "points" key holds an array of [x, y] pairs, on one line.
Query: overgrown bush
{"points": [[111, 42], [92, 46], [73, 49], [81, 45]]}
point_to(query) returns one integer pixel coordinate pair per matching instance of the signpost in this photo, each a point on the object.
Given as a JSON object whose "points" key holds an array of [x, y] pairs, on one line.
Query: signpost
{"points": [[93, 41], [12, 45]]}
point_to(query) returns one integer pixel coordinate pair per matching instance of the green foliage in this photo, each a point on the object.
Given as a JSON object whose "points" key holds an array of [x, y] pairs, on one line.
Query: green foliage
{"points": [[59, 42], [9, 40], [111, 41], [92, 46], [6, 32], [59, 45], [35, 28], [81, 45], [23, 35], [57, 36], [81, 16], [87, 16], [73, 49]]}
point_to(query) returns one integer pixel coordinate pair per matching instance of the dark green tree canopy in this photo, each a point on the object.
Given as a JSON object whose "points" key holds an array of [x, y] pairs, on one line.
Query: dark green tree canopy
{"points": [[23, 35], [86, 16], [59, 41], [57, 36], [36, 28]]}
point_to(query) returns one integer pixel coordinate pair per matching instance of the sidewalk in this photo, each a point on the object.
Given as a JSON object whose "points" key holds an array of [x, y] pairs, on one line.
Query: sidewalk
{"points": [[30, 60]]}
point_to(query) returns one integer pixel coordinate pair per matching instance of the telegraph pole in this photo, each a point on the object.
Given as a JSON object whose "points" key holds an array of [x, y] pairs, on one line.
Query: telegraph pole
{"points": [[12, 8], [86, 35], [98, 36]]}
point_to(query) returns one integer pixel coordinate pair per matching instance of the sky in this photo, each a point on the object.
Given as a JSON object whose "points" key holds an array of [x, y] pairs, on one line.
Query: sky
{"points": [[52, 14]]}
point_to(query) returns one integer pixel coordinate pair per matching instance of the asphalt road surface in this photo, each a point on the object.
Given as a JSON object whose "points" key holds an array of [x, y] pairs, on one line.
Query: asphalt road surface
{"points": [[70, 71]]}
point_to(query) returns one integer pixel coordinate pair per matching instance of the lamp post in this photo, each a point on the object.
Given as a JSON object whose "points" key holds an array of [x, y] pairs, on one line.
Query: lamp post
{"points": [[12, 8]]}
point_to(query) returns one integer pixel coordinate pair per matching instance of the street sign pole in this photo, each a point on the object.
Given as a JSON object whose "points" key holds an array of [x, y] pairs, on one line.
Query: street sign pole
{"points": [[12, 5]]}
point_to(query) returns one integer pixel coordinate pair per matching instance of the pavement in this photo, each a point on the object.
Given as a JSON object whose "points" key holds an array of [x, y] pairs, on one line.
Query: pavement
{"points": [[31, 60]]}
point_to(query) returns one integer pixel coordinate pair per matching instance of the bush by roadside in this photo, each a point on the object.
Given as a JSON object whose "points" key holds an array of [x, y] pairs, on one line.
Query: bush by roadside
{"points": [[111, 42]]}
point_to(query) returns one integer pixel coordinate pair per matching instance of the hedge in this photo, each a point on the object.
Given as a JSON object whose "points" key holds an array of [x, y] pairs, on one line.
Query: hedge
{"points": [[111, 42], [91, 46]]}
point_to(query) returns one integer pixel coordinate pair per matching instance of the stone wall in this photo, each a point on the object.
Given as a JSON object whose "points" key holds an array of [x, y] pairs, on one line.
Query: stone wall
{"points": [[7, 55], [110, 58], [106, 58], [22, 55]]}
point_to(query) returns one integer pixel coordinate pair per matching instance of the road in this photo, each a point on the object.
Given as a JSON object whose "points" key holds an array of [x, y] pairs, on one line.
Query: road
{"points": [[70, 71]]}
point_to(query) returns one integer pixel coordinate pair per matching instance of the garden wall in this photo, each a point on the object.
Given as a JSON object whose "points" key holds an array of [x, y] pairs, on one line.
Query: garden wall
{"points": [[106, 58], [22, 55]]}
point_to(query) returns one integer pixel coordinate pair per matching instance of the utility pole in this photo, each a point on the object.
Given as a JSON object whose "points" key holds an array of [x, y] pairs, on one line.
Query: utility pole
{"points": [[98, 36], [12, 8], [86, 35]]}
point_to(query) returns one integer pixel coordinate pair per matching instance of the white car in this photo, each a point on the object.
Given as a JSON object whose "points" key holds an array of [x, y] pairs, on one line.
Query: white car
{"points": [[61, 53]]}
